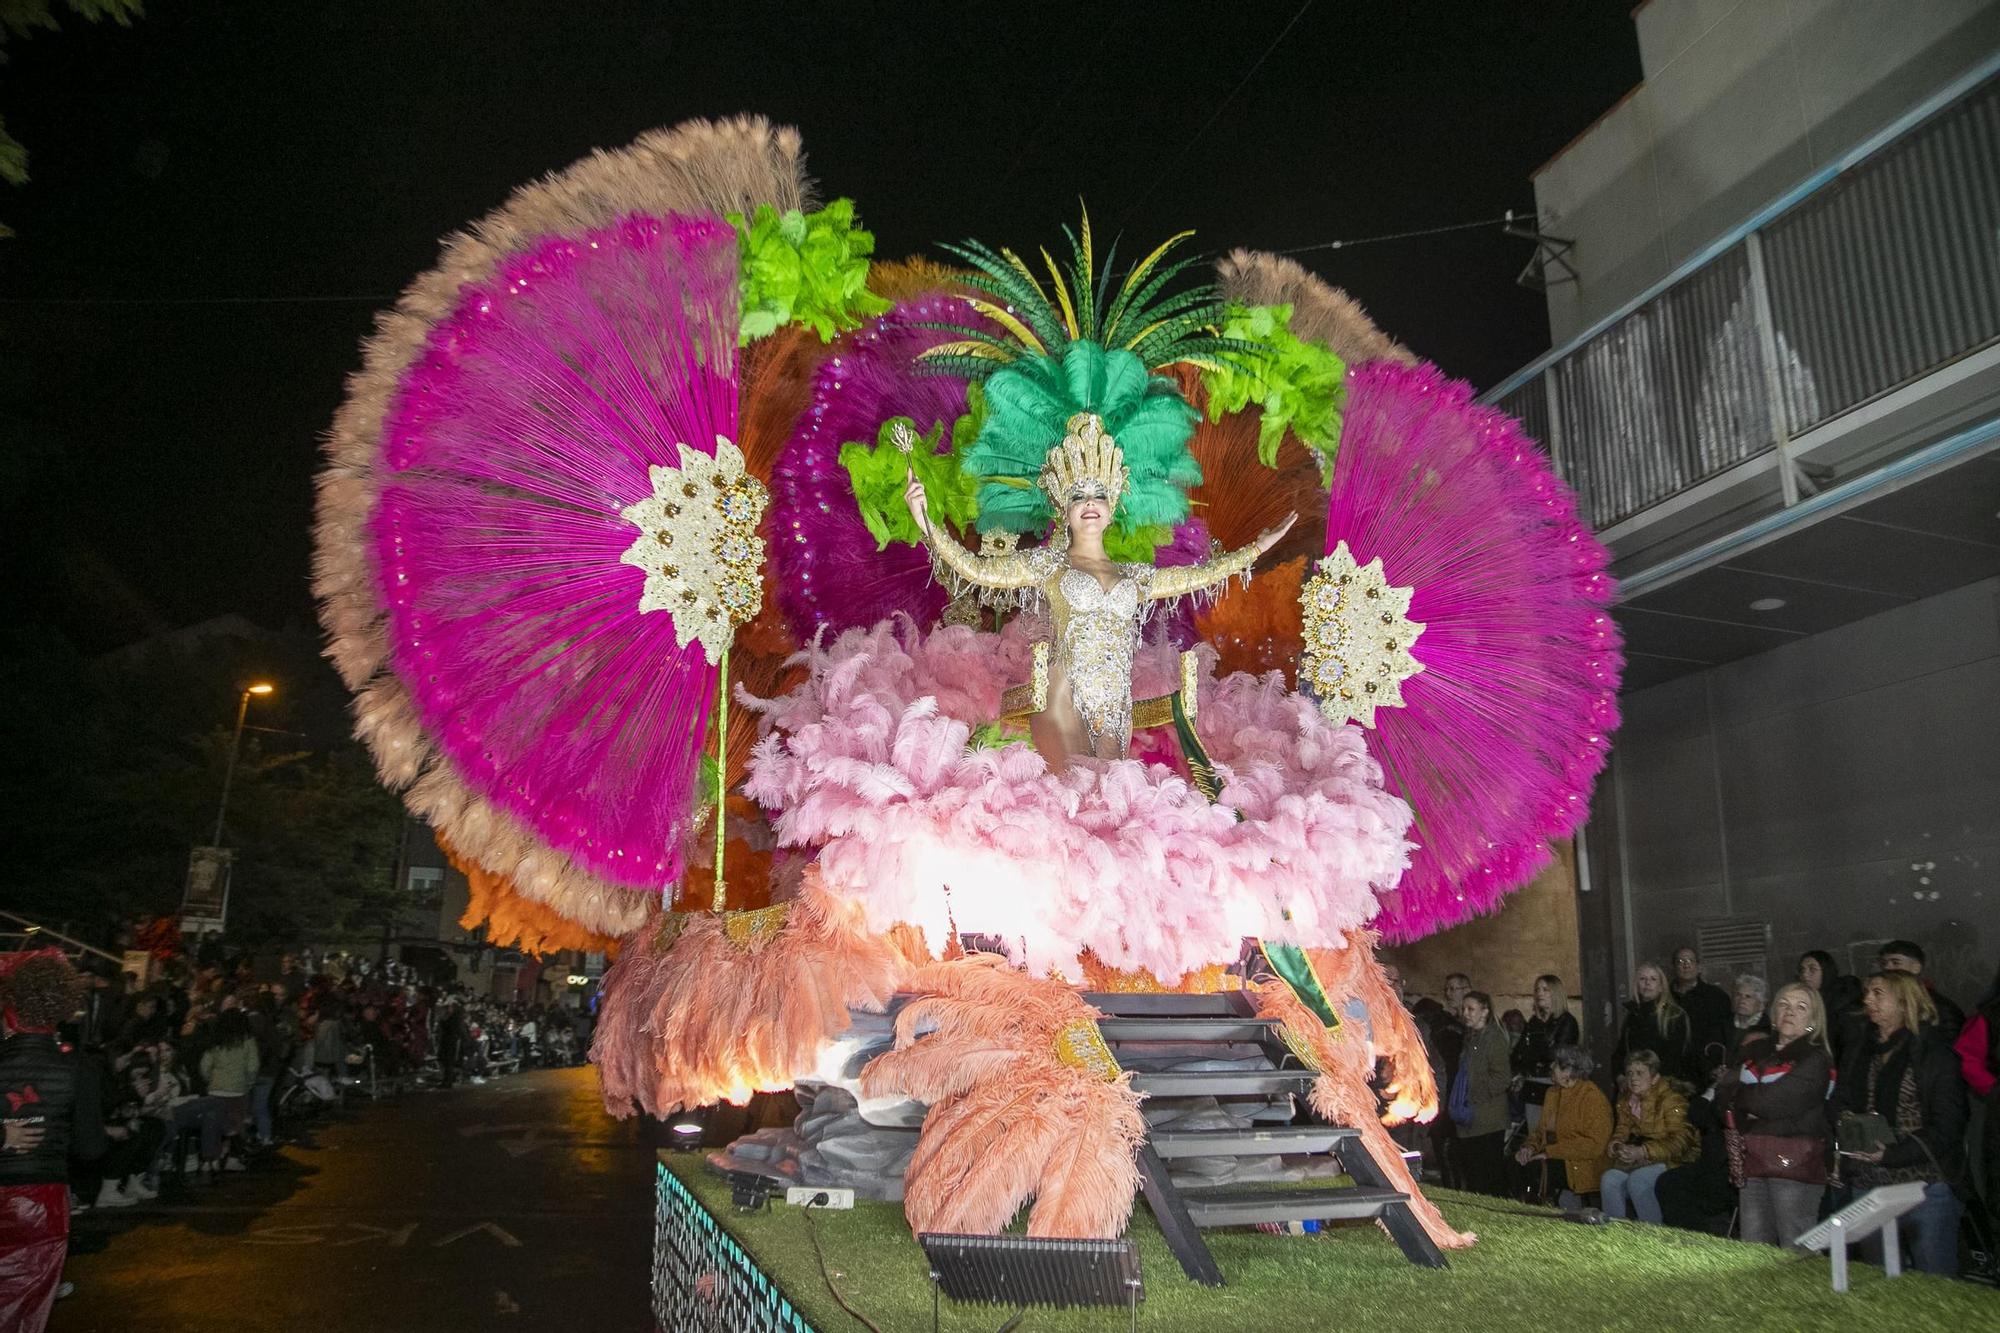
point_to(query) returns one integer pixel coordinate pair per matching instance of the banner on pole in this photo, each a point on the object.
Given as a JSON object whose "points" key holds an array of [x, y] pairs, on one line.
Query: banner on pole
{"points": [[205, 901]]}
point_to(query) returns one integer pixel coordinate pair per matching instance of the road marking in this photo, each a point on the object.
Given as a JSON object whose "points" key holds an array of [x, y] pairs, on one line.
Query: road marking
{"points": [[497, 1231], [338, 1235]]}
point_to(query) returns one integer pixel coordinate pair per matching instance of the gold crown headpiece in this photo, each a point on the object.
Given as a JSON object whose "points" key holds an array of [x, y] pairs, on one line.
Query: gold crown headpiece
{"points": [[1088, 462]]}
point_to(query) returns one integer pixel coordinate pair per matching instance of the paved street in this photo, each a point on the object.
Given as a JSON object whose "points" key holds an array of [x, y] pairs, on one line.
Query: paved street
{"points": [[519, 1203]]}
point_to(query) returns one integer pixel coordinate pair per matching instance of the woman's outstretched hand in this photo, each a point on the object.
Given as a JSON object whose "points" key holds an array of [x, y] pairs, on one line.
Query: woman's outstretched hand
{"points": [[1270, 537], [905, 441], [913, 496]]}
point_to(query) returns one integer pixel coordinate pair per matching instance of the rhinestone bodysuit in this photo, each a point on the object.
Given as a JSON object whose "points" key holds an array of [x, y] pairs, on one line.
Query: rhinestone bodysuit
{"points": [[1094, 630]]}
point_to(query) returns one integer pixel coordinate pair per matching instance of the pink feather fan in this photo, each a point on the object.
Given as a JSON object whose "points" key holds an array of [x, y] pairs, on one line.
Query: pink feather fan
{"points": [[1505, 729], [513, 444]]}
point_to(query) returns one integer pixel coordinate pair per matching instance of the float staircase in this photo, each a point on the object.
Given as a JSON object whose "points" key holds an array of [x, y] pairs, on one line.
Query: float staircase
{"points": [[1157, 1036]]}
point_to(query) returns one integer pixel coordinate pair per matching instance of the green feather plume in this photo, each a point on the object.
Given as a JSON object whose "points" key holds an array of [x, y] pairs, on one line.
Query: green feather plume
{"points": [[1299, 386]]}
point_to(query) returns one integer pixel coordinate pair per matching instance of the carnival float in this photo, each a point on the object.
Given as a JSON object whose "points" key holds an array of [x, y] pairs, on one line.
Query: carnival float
{"points": [[934, 679]]}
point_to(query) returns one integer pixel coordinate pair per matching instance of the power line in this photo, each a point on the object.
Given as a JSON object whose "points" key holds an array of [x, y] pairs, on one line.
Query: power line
{"points": [[1503, 220], [1216, 114]]}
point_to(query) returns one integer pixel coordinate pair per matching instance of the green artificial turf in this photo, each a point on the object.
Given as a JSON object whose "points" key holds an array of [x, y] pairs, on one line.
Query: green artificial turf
{"points": [[1527, 1272]]}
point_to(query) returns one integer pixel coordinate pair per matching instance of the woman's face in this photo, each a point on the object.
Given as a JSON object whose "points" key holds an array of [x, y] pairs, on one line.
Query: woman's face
{"points": [[1749, 1003], [1544, 997], [1562, 1076], [1087, 515], [1791, 1015], [1650, 983], [1639, 1078], [1809, 971], [1881, 1006], [1473, 1014]]}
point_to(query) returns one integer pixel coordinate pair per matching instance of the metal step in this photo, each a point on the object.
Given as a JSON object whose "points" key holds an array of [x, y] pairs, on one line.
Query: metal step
{"points": [[1223, 1082], [1246, 1030], [1172, 1144], [1152, 1004], [1229, 1208]]}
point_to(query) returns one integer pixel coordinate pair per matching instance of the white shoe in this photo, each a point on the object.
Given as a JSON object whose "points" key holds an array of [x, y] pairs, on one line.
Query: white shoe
{"points": [[233, 1163], [64, 1290], [139, 1189], [110, 1196]]}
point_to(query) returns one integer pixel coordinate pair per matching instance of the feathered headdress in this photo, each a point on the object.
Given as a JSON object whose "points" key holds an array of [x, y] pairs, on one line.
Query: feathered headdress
{"points": [[1077, 347]]}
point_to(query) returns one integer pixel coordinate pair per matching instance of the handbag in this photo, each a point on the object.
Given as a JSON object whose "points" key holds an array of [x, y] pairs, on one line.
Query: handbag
{"points": [[1797, 1157], [1459, 1103]]}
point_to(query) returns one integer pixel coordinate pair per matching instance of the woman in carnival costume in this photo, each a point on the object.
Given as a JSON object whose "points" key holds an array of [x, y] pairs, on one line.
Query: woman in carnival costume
{"points": [[1054, 384]]}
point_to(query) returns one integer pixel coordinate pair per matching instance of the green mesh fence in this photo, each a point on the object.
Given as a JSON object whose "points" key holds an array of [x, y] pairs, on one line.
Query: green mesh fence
{"points": [[703, 1280]]}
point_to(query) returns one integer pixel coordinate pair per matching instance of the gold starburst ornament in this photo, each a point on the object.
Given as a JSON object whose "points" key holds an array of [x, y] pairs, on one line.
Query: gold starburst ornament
{"points": [[1357, 638], [699, 546]]}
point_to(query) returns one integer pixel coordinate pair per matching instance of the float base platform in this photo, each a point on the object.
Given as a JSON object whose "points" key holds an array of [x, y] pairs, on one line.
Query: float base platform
{"points": [[717, 1269]]}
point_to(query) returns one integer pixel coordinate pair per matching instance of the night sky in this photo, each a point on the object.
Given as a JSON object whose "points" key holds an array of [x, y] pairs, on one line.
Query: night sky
{"points": [[224, 193]]}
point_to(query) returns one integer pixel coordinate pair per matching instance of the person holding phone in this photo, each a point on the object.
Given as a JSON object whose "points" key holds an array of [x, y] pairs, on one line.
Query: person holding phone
{"points": [[1906, 1076]]}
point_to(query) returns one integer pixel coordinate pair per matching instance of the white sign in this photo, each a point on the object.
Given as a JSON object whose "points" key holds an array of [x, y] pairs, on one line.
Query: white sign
{"points": [[1877, 1210]]}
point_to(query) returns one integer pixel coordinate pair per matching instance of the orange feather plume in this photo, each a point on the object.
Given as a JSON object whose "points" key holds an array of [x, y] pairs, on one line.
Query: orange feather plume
{"points": [[1242, 497], [1258, 628], [514, 921]]}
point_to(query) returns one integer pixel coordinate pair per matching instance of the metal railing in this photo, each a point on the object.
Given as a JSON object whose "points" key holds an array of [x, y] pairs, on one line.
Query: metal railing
{"points": [[1881, 269]]}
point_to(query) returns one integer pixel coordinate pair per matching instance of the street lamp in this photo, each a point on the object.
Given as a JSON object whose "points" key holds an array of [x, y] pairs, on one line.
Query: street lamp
{"points": [[260, 689]]}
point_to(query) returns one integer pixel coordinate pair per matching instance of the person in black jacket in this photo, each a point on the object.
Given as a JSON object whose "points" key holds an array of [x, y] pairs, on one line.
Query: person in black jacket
{"points": [[47, 1089], [1907, 1074], [1907, 957], [1708, 1010], [1549, 1026], [1839, 993], [1653, 1022]]}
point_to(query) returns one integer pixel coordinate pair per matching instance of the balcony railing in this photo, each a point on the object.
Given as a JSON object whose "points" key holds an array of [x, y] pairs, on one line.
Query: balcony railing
{"points": [[1873, 275]]}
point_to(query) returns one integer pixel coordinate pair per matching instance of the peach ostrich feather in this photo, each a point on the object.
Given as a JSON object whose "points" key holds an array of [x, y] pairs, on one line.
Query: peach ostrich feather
{"points": [[1018, 1106], [707, 1008]]}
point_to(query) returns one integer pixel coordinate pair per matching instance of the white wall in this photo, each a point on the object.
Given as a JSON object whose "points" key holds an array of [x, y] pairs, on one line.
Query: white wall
{"points": [[1742, 99]]}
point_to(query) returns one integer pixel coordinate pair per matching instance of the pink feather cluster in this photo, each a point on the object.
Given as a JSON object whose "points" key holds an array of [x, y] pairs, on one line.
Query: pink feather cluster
{"points": [[692, 1018], [1008, 1118], [869, 763], [1504, 731], [515, 441]]}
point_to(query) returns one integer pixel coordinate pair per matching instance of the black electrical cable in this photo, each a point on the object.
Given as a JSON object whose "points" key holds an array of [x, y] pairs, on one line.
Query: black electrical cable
{"points": [[817, 1201]]}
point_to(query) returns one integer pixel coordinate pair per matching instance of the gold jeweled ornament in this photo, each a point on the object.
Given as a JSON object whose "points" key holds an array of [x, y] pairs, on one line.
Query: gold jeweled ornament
{"points": [[1081, 1046], [1357, 638], [699, 547]]}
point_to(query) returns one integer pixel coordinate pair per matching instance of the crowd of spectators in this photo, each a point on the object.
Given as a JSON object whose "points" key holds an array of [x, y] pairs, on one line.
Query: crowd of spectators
{"points": [[1736, 1109], [115, 1089]]}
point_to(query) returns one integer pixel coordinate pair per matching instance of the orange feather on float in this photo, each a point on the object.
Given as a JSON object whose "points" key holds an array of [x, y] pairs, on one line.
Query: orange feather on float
{"points": [[514, 921], [1258, 628], [1243, 497], [694, 1014]]}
